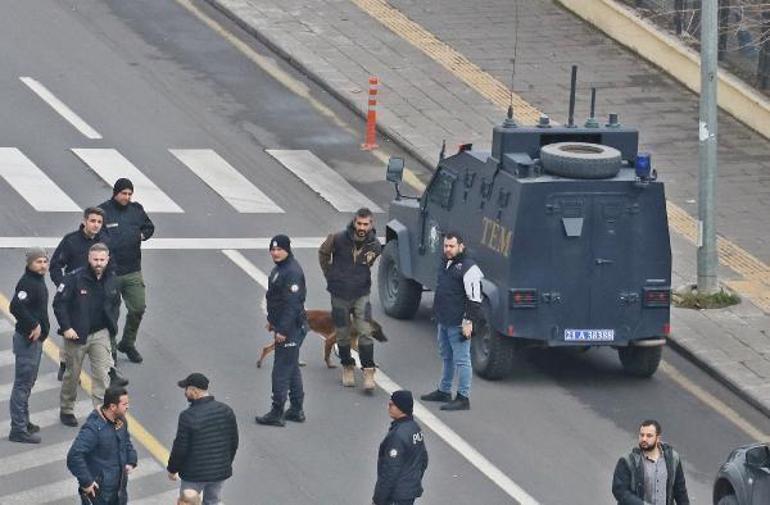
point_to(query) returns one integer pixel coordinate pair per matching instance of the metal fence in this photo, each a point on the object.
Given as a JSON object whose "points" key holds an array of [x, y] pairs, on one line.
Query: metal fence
{"points": [[744, 32]]}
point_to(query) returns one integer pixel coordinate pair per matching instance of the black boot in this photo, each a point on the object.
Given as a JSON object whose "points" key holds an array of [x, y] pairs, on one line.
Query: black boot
{"points": [[116, 379], [459, 403], [24, 437], [62, 369], [437, 396], [366, 354], [295, 414], [345, 358], [130, 351], [272, 418]]}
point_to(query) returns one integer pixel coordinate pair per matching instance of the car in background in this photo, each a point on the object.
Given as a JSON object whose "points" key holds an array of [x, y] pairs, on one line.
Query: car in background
{"points": [[744, 479]]}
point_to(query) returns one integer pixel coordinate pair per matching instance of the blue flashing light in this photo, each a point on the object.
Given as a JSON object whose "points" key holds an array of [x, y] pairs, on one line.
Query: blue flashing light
{"points": [[643, 165]]}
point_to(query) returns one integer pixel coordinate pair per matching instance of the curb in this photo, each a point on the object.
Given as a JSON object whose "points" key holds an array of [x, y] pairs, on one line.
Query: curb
{"points": [[354, 106], [625, 27]]}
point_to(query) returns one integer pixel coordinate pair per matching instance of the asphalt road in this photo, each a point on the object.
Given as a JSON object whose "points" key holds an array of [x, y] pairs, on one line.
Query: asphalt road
{"points": [[150, 76]]}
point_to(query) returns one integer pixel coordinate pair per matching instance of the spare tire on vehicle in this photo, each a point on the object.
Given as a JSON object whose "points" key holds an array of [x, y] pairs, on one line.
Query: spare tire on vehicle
{"points": [[580, 160]]}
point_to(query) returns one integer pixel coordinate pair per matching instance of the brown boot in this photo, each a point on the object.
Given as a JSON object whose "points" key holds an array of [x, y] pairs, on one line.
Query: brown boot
{"points": [[348, 376], [369, 384]]}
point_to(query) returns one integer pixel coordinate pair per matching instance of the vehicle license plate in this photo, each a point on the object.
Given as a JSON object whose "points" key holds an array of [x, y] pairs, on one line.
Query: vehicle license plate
{"points": [[571, 335]]}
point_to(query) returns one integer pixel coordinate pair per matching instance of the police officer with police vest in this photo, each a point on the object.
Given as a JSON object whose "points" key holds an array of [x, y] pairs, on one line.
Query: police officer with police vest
{"points": [[72, 254], [286, 320], [457, 304], [402, 457]]}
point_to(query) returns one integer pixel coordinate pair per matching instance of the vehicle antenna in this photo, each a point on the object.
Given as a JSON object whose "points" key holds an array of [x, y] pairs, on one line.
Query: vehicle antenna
{"points": [[510, 122]]}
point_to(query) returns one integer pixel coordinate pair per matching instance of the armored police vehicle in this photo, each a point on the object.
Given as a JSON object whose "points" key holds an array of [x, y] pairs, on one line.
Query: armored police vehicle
{"points": [[744, 478], [568, 225]]}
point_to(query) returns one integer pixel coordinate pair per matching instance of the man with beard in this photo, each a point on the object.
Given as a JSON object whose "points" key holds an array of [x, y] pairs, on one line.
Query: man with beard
{"points": [[102, 455], [72, 254], [205, 444], [287, 322], [346, 260], [86, 306], [651, 474]]}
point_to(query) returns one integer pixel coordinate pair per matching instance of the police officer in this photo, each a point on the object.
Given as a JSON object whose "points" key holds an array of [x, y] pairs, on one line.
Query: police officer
{"points": [[72, 254], [30, 308], [346, 259], [287, 321], [128, 226], [402, 458], [457, 304]]}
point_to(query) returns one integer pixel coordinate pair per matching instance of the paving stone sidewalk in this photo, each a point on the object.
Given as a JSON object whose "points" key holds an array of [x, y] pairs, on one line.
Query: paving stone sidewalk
{"points": [[339, 45]]}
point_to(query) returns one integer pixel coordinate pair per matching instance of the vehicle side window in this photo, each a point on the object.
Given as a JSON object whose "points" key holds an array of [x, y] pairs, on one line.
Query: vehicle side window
{"points": [[442, 190]]}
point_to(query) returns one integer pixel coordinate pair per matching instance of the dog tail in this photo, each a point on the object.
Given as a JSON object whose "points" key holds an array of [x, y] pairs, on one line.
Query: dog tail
{"points": [[377, 332]]}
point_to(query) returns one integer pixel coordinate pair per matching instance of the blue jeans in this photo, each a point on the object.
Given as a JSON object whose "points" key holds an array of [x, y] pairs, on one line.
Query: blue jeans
{"points": [[27, 365], [455, 350], [210, 491]]}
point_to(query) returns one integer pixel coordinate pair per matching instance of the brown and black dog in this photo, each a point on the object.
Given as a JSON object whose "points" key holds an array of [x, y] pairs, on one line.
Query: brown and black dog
{"points": [[321, 322]]}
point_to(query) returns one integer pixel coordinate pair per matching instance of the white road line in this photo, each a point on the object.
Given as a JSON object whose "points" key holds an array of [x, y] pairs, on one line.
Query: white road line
{"points": [[31, 183], [47, 418], [165, 498], [322, 179], [34, 458], [110, 165], [230, 184], [68, 488], [44, 383], [7, 358], [428, 419], [61, 108], [200, 244]]}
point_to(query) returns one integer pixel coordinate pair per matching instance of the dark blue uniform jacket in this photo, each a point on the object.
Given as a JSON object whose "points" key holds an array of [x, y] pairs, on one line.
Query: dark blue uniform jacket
{"points": [[401, 462], [125, 227], [30, 304], [286, 300]]}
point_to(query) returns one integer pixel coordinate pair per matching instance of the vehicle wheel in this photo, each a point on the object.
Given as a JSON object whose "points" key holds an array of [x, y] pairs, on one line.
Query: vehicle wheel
{"points": [[728, 499], [580, 160], [640, 361], [400, 297], [491, 352]]}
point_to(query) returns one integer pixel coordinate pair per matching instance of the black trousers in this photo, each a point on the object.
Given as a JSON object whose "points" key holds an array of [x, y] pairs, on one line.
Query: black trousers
{"points": [[287, 378]]}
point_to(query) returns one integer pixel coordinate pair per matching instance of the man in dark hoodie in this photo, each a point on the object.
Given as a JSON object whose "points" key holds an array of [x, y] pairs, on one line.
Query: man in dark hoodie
{"points": [[127, 225], [30, 308], [651, 474], [346, 259], [72, 254]]}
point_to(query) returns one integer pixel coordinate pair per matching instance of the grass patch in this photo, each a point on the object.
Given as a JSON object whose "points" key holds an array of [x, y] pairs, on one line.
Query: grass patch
{"points": [[691, 299]]}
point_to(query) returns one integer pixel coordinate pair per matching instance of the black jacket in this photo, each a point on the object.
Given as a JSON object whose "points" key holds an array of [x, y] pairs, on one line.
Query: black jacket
{"points": [[286, 299], [75, 298], [346, 263], [30, 304], [451, 303], [72, 253], [401, 463], [125, 227], [206, 442], [628, 480]]}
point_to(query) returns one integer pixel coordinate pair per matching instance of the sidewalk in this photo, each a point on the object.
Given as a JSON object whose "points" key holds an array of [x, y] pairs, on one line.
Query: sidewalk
{"points": [[442, 65]]}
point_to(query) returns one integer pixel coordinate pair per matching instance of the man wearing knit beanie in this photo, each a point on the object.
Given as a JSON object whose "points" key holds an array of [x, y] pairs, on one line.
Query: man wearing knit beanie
{"points": [[402, 458], [127, 226]]}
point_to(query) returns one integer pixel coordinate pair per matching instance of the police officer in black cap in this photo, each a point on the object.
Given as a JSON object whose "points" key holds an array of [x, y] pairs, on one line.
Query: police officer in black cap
{"points": [[287, 322], [402, 458]]}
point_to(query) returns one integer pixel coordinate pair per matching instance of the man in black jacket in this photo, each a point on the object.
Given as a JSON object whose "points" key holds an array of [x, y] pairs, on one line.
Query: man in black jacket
{"points": [[86, 306], [287, 321], [127, 225], [346, 260], [205, 444], [72, 254], [30, 308], [651, 474], [402, 458]]}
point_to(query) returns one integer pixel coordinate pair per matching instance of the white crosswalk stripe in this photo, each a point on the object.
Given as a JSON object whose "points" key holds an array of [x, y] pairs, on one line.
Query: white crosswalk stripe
{"points": [[39, 456], [44, 383], [166, 498], [322, 179], [7, 357], [32, 184], [231, 185], [47, 418], [68, 488], [61, 108], [110, 165]]}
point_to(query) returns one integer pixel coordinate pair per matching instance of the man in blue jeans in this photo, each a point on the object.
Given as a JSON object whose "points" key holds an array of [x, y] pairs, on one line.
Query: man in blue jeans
{"points": [[457, 305], [30, 308]]}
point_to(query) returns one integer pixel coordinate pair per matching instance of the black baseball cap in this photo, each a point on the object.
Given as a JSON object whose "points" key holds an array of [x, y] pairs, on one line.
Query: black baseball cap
{"points": [[196, 379]]}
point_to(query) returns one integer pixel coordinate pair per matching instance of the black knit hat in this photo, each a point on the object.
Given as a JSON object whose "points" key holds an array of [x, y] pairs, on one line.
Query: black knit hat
{"points": [[403, 400], [122, 184], [282, 241]]}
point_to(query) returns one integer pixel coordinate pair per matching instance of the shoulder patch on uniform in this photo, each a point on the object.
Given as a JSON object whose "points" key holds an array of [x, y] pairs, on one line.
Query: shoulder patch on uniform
{"points": [[21, 295], [60, 288], [393, 453], [294, 288]]}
